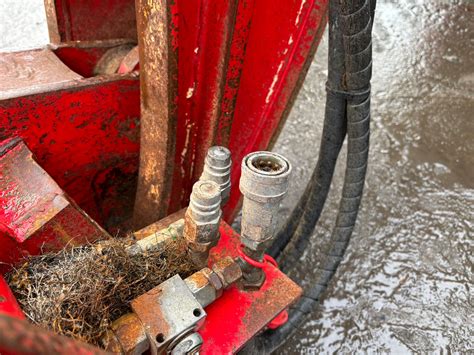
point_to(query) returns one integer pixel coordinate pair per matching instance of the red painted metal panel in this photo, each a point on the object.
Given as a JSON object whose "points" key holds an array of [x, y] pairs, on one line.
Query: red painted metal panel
{"points": [[35, 214], [239, 65], [237, 53], [86, 138], [8, 303], [237, 94], [204, 34], [82, 20], [238, 315], [280, 41]]}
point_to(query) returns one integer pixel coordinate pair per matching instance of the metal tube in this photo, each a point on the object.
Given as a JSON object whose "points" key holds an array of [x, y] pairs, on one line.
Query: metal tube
{"points": [[158, 92]]}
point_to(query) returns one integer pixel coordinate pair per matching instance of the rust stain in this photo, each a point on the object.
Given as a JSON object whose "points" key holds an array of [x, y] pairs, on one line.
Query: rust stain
{"points": [[131, 333], [199, 279], [158, 85], [52, 21], [147, 308], [160, 225]]}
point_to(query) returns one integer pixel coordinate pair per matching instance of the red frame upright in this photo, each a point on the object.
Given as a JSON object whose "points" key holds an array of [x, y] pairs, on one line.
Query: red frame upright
{"points": [[240, 66]]}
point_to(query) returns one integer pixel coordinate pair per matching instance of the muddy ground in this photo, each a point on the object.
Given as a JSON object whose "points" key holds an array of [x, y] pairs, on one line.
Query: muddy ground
{"points": [[407, 282]]}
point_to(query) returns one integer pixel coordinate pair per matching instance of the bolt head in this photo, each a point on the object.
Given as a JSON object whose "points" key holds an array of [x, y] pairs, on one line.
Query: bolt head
{"points": [[200, 286], [199, 232], [228, 271]]}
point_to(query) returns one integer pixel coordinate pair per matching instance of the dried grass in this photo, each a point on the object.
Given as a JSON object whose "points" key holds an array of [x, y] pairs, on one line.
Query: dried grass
{"points": [[78, 292]]}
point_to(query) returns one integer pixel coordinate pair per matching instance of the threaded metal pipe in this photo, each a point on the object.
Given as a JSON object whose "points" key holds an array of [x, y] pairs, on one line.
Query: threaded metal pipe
{"points": [[217, 166]]}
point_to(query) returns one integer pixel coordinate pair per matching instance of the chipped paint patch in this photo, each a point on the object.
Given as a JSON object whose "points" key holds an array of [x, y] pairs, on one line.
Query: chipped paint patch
{"points": [[274, 82], [297, 21], [190, 92]]}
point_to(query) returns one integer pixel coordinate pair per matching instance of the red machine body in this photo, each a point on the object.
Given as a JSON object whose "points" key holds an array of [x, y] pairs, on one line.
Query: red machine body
{"points": [[240, 66]]}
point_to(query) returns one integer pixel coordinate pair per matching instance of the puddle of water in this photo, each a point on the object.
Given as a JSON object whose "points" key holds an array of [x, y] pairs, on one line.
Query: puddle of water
{"points": [[406, 283]]}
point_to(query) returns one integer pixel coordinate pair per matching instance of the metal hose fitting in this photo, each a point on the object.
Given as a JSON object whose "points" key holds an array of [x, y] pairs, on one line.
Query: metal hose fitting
{"points": [[201, 221], [264, 183], [217, 168]]}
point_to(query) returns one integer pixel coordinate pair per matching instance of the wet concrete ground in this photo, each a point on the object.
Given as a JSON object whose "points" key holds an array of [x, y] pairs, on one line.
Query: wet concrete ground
{"points": [[407, 282]]}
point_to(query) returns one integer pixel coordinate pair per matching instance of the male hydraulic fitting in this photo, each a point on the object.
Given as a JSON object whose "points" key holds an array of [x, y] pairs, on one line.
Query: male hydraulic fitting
{"points": [[217, 167], [201, 221], [264, 183]]}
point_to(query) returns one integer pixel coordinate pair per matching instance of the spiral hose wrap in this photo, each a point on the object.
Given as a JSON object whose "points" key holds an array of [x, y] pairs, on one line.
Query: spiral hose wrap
{"points": [[347, 111]]}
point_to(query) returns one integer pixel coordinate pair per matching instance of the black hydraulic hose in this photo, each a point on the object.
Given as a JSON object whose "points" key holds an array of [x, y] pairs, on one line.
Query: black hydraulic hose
{"points": [[315, 194], [356, 20], [300, 224], [335, 125], [356, 24], [308, 209]]}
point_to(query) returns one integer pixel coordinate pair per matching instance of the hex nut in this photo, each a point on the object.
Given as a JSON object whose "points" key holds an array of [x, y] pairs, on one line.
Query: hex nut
{"points": [[216, 282], [200, 286], [255, 245], [254, 285], [228, 270], [200, 232]]}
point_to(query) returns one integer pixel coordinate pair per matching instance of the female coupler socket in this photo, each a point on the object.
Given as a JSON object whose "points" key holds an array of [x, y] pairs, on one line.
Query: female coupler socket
{"points": [[264, 183]]}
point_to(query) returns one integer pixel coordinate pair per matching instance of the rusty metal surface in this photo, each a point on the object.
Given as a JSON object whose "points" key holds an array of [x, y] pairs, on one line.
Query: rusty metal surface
{"points": [[202, 288], [35, 214], [158, 239], [201, 221], [228, 270], [168, 312], [158, 90], [235, 317], [17, 336], [52, 21], [162, 224], [30, 72], [127, 335]]}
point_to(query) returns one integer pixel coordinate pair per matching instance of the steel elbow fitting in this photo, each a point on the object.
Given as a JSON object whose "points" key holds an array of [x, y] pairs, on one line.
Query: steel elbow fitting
{"points": [[264, 183]]}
